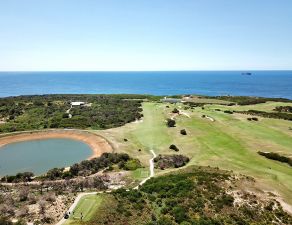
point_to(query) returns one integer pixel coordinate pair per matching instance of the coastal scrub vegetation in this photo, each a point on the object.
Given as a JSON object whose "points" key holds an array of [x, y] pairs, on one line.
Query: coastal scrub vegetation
{"points": [[54, 111], [275, 115], [284, 109], [196, 195], [248, 100], [43, 199], [170, 161]]}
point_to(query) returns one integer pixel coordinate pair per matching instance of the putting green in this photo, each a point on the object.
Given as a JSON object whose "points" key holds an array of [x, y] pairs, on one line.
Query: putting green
{"points": [[87, 206]]}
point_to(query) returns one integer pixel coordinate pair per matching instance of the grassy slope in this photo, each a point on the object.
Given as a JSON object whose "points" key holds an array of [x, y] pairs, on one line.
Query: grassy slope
{"points": [[231, 142], [88, 205]]}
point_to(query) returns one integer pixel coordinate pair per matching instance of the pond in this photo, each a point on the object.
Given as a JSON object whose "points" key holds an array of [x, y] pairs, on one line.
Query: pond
{"points": [[38, 156]]}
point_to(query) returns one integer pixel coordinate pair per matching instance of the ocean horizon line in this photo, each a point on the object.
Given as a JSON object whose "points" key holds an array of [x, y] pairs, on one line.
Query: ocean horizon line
{"points": [[135, 71]]}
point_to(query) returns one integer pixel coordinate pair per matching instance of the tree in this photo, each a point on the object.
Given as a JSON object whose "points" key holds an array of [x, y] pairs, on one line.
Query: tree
{"points": [[175, 110], [183, 132], [170, 123], [173, 147]]}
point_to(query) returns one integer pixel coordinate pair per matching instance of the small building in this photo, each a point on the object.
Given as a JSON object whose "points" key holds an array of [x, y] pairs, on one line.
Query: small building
{"points": [[77, 103]]}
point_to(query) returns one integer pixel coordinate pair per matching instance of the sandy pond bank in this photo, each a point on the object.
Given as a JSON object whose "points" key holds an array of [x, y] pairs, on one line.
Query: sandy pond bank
{"points": [[97, 143]]}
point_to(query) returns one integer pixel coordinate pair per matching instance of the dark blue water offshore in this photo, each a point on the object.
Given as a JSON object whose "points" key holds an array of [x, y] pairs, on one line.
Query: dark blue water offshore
{"points": [[260, 83]]}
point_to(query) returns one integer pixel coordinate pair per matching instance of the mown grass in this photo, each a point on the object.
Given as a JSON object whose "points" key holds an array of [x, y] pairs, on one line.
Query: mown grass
{"points": [[87, 207], [231, 142]]}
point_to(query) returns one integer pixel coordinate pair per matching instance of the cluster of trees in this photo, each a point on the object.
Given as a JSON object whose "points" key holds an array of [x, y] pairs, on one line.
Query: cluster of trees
{"points": [[284, 109], [249, 100], [275, 115], [196, 195], [106, 160], [277, 157], [19, 177], [170, 161], [49, 111], [92, 166]]}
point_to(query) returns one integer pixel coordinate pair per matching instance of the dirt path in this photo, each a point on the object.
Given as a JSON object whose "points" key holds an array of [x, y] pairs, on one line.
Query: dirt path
{"points": [[68, 112], [151, 168], [97, 143]]}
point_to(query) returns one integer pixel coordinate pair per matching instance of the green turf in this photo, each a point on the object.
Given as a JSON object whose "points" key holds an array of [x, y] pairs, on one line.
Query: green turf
{"points": [[231, 142], [88, 205]]}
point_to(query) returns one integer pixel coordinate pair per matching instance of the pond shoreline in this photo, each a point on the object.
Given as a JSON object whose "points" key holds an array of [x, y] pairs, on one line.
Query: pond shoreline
{"points": [[97, 143]]}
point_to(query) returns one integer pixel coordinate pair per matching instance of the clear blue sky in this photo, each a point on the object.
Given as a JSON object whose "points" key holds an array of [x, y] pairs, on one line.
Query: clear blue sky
{"points": [[145, 34]]}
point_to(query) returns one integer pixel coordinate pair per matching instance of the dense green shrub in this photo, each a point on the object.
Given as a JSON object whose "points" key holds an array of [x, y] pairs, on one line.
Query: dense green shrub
{"points": [[175, 110], [275, 115], [170, 161], [19, 177], [173, 147], [170, 123], [284, 109], [183, 132], [228, 111], [277, 157]]}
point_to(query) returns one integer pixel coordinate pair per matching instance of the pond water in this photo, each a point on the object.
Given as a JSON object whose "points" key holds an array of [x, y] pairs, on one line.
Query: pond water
{"points": [[38, 156]]}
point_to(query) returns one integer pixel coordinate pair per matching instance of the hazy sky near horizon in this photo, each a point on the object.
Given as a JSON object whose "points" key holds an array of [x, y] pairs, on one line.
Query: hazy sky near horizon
{"points": [[145, 35]]}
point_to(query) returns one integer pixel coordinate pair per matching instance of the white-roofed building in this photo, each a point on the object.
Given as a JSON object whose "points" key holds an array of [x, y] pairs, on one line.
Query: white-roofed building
{"points": [[77, 103]]}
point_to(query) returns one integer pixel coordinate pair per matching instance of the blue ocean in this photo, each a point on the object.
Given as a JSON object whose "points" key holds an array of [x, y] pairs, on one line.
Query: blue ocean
{"points": [[259, 83]]}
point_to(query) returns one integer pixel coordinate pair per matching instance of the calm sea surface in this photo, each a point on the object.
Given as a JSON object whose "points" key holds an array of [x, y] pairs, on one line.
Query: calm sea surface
{"points": [[260, 83], [39, 156]]}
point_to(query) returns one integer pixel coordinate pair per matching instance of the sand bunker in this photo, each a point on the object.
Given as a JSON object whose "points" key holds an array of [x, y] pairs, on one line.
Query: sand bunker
{"points": [[97, 143]]}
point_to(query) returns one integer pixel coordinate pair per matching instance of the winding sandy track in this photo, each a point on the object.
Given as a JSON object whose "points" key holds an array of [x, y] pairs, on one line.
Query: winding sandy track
{"points": [[151, 168], [97, 143]]}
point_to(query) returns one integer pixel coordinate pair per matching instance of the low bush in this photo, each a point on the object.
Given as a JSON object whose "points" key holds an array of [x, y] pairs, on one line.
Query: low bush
{"points": [[284, 109], [170, 161], [175, 110], [252, 119], [173, 147], [183, 132], [276, 156], [170, 123], [228, 111], [275, 115]]}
